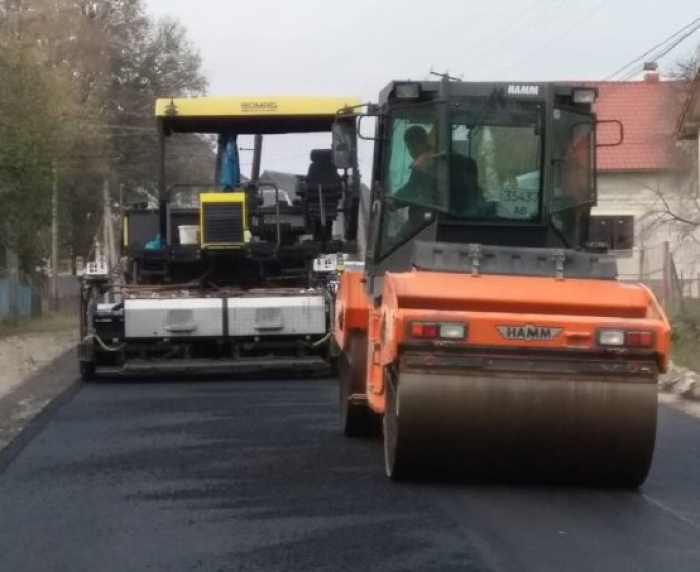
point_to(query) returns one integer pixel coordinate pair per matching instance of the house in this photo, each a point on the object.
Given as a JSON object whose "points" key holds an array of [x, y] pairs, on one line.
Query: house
{"points": [[288, 182], [638, 177]]}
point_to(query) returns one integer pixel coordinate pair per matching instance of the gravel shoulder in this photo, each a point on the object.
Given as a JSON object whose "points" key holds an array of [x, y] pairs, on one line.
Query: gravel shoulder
{"points": [[35, 368], [680, 388], [23, 355]]}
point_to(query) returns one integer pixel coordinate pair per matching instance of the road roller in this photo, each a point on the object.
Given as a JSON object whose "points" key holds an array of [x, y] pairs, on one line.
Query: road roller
{"points": [[479, 330]]}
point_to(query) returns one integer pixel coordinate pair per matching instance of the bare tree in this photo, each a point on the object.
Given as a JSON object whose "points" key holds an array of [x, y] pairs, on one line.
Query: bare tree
{"points": [[677, 202], [107, 62]]}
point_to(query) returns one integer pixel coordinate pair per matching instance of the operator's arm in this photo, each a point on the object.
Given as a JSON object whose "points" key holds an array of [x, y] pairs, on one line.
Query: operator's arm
{"points": [[421, 186]]}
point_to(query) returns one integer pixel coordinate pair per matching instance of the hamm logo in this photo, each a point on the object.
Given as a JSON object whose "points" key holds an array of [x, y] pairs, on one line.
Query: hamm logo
{"points": [[529, 333], [533, 90]]}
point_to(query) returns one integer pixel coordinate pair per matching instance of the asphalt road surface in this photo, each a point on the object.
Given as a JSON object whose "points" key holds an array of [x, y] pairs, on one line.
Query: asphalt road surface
{"points": [[255, 476]]}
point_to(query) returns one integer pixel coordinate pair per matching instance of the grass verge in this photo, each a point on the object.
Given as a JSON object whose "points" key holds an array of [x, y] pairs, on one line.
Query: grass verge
{"points": [[43, 324], [686, 335]]}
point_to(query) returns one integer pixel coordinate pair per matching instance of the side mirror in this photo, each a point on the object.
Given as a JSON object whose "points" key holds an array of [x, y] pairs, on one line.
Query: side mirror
{"points": [[343, 144], [621, 132], [373, 234]]}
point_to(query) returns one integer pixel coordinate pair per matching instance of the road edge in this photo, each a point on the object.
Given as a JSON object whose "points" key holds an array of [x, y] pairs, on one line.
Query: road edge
{"points": [[26, 409]]}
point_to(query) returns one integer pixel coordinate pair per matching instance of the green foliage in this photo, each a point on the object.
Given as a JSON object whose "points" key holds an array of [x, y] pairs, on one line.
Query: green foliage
{"points": [[27, 124], [685, 335], [53, 323]]}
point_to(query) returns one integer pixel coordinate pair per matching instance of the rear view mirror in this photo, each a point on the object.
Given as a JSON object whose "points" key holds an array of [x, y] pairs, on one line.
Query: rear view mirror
{"points": [[343, 144]]}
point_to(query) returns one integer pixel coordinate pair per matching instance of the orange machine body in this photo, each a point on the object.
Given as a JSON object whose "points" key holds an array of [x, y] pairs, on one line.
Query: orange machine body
{"points": [[503, 316], [352, 307]]}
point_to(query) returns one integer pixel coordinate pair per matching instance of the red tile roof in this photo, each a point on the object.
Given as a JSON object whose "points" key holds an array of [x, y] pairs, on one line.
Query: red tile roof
{"points": [[648, 110]]}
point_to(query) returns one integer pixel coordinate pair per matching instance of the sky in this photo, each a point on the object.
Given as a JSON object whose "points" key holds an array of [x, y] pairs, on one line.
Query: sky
{"points": [[327, 47]]}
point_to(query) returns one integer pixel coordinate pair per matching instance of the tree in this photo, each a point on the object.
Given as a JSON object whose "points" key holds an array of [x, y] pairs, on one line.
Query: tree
{"points": [[81, 111], [28, 123], [680, 208]]}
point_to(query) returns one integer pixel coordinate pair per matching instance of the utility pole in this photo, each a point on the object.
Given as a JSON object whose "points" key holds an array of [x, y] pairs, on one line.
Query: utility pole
{"points": [[109, 244], [107, 234], [106, 220], [120, 227], [110, 233], [54, 239], [12, 262]]}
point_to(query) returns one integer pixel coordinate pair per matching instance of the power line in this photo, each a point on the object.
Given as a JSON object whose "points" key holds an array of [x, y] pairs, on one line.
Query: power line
{"points": [[663, 53], [597, 8], [502, 31], [693, 26]]}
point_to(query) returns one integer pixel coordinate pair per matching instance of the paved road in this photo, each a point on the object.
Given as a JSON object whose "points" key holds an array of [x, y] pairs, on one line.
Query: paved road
{"points": [[255, 476]]}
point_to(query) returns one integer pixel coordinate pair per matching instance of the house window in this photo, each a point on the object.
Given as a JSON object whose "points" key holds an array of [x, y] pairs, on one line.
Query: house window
{"points": [[615, 231]]}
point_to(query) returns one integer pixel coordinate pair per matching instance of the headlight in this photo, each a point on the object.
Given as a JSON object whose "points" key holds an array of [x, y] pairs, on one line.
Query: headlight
{"points": [[611, 337], [584, 95], [453, 331], [408, 91], [626, 338]]}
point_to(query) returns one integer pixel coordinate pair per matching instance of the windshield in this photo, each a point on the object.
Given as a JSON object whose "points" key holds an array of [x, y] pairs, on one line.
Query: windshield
{"points": [[495, 160], [491, 171]]}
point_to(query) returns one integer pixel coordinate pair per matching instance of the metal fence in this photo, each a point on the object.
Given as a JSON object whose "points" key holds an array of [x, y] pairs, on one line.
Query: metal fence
{"points": [[670, 275], [67, 295], [23, 307], [33, 298]]}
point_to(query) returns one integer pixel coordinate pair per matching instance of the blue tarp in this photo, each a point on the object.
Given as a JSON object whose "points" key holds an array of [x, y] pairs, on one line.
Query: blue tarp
{"points": [[155, 243], [228, 166]]}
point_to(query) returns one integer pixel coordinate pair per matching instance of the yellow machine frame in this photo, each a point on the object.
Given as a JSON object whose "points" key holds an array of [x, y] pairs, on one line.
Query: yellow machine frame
{"points": [[222, 198], [252, 106]]}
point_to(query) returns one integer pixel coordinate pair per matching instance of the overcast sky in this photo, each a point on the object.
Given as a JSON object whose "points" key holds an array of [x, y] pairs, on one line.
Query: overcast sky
{"points": [[327, 47]]}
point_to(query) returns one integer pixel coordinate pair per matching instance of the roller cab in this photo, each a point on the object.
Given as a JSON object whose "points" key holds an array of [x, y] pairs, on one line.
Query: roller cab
{"points": [[484, 336]]}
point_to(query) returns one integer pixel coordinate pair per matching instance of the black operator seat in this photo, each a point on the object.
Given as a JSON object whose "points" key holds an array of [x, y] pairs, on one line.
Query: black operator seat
{"points": [[322, 170], [323, 174], [466, 195]]}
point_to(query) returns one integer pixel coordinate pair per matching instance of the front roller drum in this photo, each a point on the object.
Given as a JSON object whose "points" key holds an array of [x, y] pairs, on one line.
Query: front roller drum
{"points": [[518, 429]]}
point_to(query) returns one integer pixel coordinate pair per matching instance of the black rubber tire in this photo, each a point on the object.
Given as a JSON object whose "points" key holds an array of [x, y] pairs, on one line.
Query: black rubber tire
{"points": [[357, 420], [87, 370]]}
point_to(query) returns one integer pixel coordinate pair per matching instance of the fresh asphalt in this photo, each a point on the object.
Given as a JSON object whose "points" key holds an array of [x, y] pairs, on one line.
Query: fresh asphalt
{"points": [[256, 476]]}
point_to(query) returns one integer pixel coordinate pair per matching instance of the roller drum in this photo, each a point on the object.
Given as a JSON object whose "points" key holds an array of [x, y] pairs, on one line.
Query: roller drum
{"points": [[515, 428]]}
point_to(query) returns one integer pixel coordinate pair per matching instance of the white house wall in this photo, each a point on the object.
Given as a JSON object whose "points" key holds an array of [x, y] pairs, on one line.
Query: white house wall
{"points": [[636, 194]]}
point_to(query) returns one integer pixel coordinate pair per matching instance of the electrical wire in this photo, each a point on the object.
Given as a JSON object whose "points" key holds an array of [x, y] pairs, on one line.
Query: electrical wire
{"points": [[518, 19], [659, 56], [597, 8], [692, 26]]}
